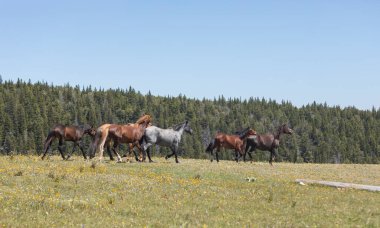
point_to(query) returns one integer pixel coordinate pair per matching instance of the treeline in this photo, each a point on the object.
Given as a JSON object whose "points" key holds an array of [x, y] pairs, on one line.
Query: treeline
{"points": [[322, 134]]}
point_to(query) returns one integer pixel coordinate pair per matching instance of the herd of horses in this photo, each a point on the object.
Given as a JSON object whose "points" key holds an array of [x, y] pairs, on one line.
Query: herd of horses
{"points": [[143, 135]]}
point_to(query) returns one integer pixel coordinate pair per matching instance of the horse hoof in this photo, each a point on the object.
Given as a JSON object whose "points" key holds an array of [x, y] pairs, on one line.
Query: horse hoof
{"points": [[166, 157], [151, 161]]}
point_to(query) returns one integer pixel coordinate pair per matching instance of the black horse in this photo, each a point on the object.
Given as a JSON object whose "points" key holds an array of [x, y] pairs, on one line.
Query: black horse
{"points": [[68, 133], [267, 142]]}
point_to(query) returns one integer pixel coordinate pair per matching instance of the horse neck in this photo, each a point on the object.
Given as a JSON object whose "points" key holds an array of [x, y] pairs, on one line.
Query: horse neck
{"points": [[245, 135], [242, 137], [142, 126], [278, 133], [180, 130]]}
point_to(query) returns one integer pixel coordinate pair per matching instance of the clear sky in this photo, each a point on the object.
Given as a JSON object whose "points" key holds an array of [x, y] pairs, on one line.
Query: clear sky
{"points": [[299, 51]]}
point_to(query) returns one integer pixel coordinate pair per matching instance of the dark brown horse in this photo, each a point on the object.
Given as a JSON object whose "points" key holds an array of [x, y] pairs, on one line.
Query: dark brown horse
{"points": [[235, 142], [67, 133], [267, 142], [128, 133]]}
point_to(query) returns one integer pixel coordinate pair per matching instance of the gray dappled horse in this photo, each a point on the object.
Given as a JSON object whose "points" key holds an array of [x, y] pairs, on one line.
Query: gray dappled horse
{"points": [[165, 137]]}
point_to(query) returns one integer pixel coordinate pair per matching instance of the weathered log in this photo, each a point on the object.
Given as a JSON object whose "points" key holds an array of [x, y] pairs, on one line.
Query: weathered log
{"points": [[340, 184]]}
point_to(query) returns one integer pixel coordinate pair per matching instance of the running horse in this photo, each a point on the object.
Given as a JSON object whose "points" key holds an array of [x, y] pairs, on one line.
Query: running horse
{"points": [[267, 142], [235, 142], [67, 133], [165, 137], [127, 133]]}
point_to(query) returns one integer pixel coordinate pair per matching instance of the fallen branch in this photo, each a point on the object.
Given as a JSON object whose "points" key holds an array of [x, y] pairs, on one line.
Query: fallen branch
{"points": [[340, 185]]}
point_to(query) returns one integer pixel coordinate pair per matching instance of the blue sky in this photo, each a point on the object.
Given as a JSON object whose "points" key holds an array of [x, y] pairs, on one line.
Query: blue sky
{"points": [[299, 51]]}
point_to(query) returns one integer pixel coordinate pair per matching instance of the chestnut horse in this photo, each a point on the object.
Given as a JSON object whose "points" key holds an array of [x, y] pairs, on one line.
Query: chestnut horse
{"points": [[267, 142], [128, 133], [67, 133], [235, 142]]}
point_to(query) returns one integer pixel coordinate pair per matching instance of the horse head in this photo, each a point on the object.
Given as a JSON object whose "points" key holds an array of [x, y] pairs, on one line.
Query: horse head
{"points": [[90, 130], [87, 129], [144, 119], [246, 132], [185, 126], [251, 132], [286, 129], [188, 128]]}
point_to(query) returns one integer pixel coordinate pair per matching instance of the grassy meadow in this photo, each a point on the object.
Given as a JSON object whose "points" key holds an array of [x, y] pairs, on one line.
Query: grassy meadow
{"points": [[194, 193]]}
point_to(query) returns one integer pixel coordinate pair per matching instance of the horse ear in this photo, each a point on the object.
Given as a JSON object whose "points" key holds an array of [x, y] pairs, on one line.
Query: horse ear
{"points": [[186, 122]]}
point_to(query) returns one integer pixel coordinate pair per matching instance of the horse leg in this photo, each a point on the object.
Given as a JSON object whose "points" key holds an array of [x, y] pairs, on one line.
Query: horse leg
{"points": [[60, 148], [237, 155], [81, 149], [175, 149], [169, 155], [48, 143], [272, 156], [212, 155], [69, 155], [250, 156], [114, 148], [217, 154], [141, 152], [109, 151], [136, 157], [131, 146], [245, 154], [148, 153]]}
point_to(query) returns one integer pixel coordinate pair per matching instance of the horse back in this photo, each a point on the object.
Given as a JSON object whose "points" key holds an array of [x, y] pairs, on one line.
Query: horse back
{"points": [[228, 141], [58, 131], [72, 133], [115, 131], [265, 141]]}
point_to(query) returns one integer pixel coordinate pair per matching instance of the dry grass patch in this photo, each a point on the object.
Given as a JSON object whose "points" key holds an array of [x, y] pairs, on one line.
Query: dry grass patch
{"points": [[193, 193]]}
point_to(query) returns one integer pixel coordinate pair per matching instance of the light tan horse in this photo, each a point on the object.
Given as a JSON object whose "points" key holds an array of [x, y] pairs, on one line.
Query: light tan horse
{"points": [[128, 133]]}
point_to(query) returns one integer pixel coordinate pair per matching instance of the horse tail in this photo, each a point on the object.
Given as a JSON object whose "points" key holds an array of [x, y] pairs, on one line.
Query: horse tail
{"points": [[210, 146], [100, 135], [94, 144], [48, 140]]}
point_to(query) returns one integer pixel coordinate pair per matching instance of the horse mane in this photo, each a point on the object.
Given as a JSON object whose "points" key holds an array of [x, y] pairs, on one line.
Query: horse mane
{"points": [[242, 133], [178, 126], [143, 119], [279, 130]]}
